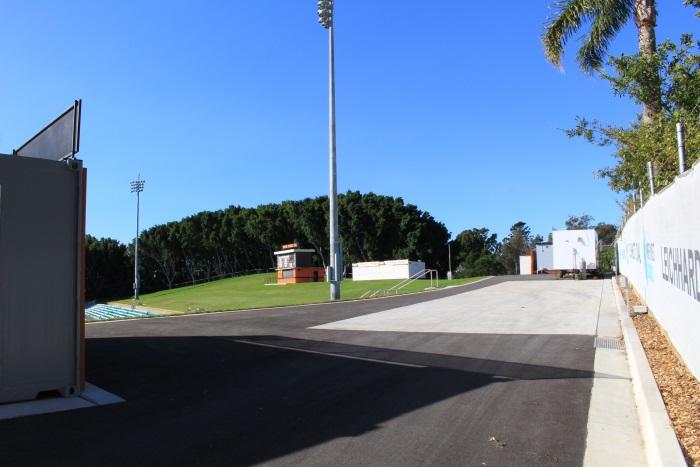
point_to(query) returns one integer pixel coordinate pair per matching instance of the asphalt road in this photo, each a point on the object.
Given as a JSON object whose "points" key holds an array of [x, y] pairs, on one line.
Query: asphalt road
{"points": [[263, 387]]}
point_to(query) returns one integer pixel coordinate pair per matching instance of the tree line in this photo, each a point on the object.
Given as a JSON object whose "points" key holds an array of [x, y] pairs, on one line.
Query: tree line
{"points": [[239, 241]]}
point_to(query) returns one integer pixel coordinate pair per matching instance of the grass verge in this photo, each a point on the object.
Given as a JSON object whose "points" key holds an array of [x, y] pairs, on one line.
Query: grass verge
{"points": [[241, 293]]}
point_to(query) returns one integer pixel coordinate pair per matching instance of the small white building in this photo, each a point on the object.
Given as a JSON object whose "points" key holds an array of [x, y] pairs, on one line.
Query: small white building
{"points": [[378, 270], [525, 264]]}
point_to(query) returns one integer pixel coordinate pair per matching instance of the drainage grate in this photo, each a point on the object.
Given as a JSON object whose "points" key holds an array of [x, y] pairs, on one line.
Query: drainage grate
{"points": [[612, 344]]}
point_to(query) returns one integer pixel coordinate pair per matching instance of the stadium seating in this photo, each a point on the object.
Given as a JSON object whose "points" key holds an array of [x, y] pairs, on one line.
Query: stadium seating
{"points": [[103, 311]]}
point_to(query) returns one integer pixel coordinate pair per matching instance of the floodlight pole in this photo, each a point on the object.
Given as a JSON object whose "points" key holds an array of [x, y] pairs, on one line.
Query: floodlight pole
{"points": [[325, 13], [137, 187]]}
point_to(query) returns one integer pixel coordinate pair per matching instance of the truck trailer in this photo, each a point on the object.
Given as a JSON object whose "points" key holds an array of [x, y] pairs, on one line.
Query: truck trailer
{"points": [[575, 251]]}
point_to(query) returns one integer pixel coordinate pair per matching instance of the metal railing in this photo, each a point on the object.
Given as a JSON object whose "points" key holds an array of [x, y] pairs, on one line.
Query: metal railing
{"points": [[395, 289]]}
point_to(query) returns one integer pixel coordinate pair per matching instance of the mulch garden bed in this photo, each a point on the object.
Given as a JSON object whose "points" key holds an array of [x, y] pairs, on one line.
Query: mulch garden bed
{"points": [[679, 388]]}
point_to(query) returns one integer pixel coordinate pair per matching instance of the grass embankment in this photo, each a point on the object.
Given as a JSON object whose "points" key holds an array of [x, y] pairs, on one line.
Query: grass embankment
{"points": [[246, 292]]}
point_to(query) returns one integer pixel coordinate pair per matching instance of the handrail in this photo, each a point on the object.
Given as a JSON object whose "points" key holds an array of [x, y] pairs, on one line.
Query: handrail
{"points": [[405, 282]]}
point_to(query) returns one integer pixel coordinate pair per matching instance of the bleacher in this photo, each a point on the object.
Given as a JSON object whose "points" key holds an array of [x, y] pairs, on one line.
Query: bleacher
{"points": [[102, 311]]}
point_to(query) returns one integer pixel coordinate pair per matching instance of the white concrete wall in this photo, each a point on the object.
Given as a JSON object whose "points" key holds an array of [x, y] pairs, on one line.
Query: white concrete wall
{"points": [[572, 246], [378, 270], [659, 251]]}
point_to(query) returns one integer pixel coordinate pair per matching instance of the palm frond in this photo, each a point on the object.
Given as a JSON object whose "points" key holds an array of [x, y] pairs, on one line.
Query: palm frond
{"points": [[605, 25], [606, 18]]}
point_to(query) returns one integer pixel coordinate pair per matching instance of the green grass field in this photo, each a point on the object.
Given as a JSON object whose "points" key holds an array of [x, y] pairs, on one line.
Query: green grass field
{"points": [[245, 292]]}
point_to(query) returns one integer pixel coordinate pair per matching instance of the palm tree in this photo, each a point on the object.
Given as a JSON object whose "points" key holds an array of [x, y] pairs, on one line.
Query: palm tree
{"points": [[606, 18]]}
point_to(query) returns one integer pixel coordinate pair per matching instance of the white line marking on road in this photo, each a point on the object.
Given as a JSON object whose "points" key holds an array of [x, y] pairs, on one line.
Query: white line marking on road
{"points": [[411, 365]]}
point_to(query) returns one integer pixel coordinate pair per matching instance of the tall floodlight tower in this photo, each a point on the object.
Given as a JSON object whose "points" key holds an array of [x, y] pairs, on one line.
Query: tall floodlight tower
{"points": [[137, 187], [325, 14]]}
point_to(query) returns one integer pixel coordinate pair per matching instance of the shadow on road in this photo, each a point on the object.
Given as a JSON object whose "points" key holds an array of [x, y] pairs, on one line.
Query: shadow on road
{"points": [[249, 399]]}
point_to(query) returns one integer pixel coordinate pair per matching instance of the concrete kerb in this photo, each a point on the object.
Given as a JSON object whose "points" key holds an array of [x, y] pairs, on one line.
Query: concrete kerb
{"points": [[92, 396], [660, 440]]}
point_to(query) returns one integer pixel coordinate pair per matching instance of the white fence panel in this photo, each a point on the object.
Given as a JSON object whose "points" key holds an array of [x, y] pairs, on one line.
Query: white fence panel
{"points": [[659, 252]]}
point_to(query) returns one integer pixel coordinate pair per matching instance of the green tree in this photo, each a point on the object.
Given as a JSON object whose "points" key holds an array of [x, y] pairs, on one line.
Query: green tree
{"points": [[605, 19], [159, 250], [421, 237], [268, 225], [606, 261], [470, 247], [584, 221], [368, 227], [246, 251], [518, 243], [309, 218], [378, 228], [189, 235], [535, 240], [488, 265], [638, 144], [606, 233], [201, 241], [108, 268], [219, 249]]}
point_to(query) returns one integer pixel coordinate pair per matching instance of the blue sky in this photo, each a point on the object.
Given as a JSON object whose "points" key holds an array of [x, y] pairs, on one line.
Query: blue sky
{"points": [[449, 105]]}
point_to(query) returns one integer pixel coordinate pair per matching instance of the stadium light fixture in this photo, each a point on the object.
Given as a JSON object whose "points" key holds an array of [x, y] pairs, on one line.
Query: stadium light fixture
{"points": [[325, 13], [137, 187], [325, 17]]}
